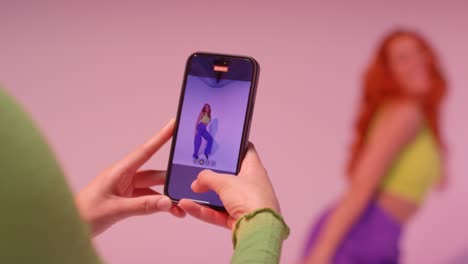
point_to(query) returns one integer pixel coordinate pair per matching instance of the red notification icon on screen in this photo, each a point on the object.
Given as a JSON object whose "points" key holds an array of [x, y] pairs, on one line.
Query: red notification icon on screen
{"points": [[218, 68]]}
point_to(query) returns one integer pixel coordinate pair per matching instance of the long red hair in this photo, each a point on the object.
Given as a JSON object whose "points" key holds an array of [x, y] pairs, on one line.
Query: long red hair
{"points": [[203, 111], [380, 87]]}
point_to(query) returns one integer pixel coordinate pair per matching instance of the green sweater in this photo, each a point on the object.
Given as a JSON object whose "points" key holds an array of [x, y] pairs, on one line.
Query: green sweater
{"points": [[39, 220]]}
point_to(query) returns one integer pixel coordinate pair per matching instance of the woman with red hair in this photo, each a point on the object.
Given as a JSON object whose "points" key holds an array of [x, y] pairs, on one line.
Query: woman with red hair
{"points": [[396, 158]]}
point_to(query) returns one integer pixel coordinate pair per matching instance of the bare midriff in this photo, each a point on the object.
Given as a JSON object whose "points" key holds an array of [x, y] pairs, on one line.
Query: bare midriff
{"points": [[399, 208]]}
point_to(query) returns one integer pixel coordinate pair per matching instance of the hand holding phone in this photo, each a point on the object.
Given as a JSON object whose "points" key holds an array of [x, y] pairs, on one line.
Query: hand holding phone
{"points": [[124, 190], [249, 191], [217, 97]]}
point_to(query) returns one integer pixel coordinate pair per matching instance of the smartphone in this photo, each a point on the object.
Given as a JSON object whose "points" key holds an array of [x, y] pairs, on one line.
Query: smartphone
{"points": [[213, 122]]}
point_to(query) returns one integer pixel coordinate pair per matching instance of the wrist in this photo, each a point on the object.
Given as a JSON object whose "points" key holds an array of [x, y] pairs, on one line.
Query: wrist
{"points": [[264, 218], [260, 205], [87, 213]]}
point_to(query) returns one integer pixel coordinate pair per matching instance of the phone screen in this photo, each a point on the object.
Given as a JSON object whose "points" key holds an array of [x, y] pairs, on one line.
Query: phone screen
{"points": [[212, 122]]}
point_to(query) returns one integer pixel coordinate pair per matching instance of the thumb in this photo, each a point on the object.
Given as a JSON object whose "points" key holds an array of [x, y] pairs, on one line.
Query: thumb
{"points": [[210, 181], [143, 205]]}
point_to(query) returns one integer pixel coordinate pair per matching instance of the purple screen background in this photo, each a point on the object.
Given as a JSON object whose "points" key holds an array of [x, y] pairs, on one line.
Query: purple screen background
{"points": [[228, 107]]}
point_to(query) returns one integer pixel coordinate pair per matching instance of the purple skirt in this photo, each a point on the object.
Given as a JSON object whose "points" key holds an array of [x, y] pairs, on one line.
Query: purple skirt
{"points": [[373, 239]]}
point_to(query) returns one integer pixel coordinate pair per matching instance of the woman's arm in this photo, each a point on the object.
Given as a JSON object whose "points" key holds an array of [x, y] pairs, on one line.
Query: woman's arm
{"points": [[198, 120], [395, 128], [124, 189], [258, 237], [252, 210]]}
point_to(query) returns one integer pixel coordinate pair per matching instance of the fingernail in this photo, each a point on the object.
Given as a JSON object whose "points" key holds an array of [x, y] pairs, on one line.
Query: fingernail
{"points": [[164, 203], [171, 122], [193, 184]]}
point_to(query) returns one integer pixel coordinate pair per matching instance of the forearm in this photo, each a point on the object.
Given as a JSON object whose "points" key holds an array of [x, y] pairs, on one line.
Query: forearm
{"points": [[348, 210], [258, 238], [341, 220], [198, 121], [95, 220]]}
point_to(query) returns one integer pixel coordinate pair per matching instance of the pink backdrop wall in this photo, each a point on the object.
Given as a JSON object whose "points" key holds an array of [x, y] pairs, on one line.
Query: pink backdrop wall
{"points": [[100, 78]]}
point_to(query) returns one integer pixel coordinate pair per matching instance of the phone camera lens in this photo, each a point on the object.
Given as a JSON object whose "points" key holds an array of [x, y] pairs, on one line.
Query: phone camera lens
{"points": [[222, 62]]}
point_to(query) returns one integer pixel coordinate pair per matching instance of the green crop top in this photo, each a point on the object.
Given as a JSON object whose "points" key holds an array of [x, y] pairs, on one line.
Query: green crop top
{"points": [[206, 119], [417, 168]]}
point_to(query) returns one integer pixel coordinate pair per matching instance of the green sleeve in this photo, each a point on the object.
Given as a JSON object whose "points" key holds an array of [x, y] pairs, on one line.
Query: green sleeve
{"points": [[258, 237], [39, 222]]}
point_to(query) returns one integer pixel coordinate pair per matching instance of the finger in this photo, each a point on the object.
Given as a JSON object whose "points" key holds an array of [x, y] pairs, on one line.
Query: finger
{"points": [[144, 191], [209, 180], [148, 178], [205, 214], [177, 211], [143, 205], [174, 210], [251, 156], [143, 153]]}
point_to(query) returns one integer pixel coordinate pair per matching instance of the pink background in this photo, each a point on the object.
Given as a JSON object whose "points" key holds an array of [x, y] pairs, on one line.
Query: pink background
{"points": [[100, 78]]}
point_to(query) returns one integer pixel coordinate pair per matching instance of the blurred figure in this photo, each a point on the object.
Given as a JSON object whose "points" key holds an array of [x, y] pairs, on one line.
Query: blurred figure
{"points": [[396, 158]]}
